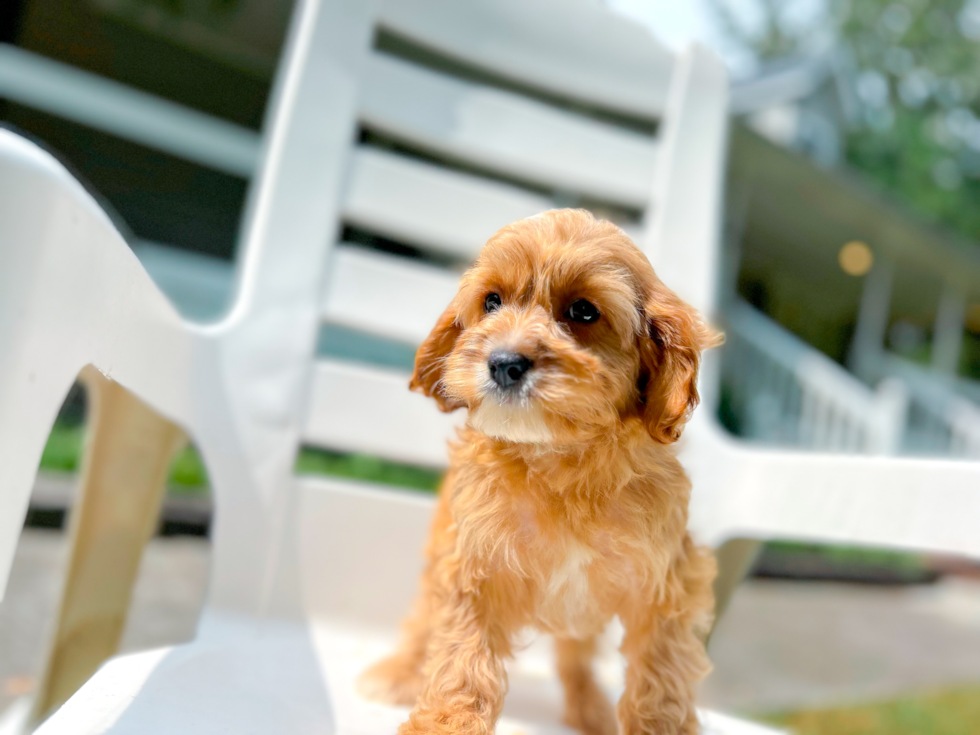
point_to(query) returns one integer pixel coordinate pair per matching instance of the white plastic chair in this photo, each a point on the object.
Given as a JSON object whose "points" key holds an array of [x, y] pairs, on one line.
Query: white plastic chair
{"points": [[310, 576]]}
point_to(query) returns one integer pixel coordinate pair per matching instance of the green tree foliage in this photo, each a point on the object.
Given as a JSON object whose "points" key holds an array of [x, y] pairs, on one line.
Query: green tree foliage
{"points": [[914, 66], [918, 78]]}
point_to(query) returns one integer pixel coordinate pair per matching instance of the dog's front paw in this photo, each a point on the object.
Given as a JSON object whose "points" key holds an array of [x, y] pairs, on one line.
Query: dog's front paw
{"points": [[450, 721], [667, 725], [395, 680]]}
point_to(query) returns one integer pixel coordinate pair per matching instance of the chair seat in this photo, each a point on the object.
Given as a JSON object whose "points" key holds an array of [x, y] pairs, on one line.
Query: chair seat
{"points": [[247, 683], [243, 683], [245, 679]]}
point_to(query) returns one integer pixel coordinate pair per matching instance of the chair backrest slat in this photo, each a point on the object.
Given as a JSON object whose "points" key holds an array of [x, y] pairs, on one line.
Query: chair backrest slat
{"points": [[385, 295], [506, 134], [359, 408], [570, 48], [430, 207]]}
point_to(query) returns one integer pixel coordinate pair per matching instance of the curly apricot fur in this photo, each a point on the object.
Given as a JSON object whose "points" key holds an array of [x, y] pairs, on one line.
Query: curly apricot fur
{"points": [[565, 504]]}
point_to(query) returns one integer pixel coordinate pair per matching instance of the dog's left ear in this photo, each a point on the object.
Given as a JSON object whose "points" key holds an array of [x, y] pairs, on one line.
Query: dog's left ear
{"points": [[670, 355], [430, 358]]}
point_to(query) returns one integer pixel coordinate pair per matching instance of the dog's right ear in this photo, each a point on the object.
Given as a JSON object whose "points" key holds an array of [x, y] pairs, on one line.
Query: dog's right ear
{"points": [[431, 357]]}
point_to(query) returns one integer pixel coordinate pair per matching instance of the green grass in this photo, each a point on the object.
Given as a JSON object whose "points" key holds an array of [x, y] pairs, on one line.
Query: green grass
{"points": [[63, 449], [953, 712], [188, 475], [898, 560], [369, 469]]}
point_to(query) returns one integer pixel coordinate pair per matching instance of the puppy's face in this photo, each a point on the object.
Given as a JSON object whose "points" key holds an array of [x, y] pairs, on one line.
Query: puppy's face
{"points": [[561, 330]]}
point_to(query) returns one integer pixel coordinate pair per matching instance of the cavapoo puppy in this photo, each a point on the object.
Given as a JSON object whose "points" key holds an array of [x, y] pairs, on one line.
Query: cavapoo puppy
{"points": [[564, 504]]}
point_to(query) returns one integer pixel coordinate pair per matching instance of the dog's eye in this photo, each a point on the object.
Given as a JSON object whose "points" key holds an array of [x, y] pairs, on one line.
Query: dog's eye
{"points": [[492, 302], [582, 311]]}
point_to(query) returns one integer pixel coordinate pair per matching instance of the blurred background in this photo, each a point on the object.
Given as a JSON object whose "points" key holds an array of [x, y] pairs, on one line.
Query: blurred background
{"points": [[851, 292]]}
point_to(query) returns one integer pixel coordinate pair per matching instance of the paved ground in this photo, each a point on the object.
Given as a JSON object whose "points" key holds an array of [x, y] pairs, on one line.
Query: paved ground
{"points": [[167, 601], [787, 645], [781, 646]]}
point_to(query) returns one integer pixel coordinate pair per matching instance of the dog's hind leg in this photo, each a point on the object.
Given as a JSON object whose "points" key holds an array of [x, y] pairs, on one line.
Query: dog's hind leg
{"points": [[398, 678], [587, 708]]}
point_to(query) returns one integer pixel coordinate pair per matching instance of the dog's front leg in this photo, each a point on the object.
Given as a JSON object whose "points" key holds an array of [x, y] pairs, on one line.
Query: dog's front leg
{"points": [[464, 679], [665, 654], [664, 662]]}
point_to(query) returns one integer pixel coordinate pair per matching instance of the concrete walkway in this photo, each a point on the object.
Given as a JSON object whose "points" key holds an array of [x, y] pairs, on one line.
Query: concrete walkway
{"points": [[791, 645], [781, 646]]}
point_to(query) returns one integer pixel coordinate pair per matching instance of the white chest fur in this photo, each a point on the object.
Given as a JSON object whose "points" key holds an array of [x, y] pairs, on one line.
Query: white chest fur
{"points": [[567, 603]]}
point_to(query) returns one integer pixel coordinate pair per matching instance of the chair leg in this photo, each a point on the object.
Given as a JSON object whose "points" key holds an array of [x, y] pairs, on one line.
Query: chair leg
{"points": [[735, 560], [124, 471]]}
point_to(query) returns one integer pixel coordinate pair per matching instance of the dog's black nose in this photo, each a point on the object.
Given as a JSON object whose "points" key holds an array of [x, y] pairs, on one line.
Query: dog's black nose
{"points": [[507, 368]]}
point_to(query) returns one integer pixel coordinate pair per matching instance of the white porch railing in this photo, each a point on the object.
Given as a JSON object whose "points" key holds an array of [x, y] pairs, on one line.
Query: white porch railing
{"points": [[942, 418], [780, 390], [965, 430]]}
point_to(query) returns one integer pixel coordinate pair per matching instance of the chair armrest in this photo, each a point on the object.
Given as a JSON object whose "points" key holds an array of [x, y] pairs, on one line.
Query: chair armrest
{"points": [[71, 294], [899, 502]]}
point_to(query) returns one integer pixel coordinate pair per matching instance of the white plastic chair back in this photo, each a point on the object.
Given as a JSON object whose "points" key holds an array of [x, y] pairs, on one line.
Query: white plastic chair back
{"points": [[470, 120], [478, 116]]}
